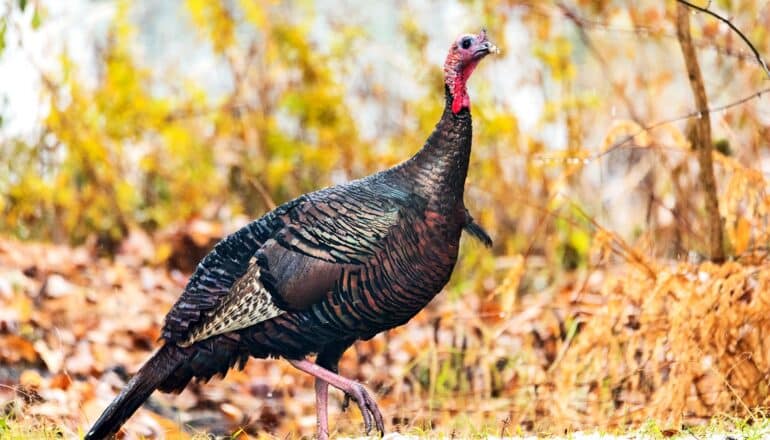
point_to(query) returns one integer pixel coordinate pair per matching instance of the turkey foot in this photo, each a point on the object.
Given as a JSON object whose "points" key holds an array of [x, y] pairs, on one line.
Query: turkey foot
{"points": [[369, 409]]}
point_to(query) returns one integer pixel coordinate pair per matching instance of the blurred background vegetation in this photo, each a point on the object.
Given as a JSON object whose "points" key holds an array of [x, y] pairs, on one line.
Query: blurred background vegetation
{"points": [[121, 119], [145, 115]]}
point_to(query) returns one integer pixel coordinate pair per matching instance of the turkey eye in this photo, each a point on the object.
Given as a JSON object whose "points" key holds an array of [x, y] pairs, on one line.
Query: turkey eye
{"points": [[466, 43]]}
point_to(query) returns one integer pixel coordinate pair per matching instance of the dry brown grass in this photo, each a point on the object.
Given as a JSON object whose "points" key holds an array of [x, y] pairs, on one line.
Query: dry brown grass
{"points": [[612, 348]]}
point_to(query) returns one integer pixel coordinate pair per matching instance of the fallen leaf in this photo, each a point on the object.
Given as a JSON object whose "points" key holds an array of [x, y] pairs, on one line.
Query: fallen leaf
{"points": [[61, 381], [232, 412], [30, 379], [14, 348], [53, 359]]}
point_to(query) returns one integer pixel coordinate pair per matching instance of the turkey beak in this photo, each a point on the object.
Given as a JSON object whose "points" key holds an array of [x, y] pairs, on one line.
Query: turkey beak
{"points": [[485, 48]]}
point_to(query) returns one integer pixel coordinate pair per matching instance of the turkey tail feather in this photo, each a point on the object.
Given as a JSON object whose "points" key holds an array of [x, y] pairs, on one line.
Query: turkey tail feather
{"points": [[139, 388]]}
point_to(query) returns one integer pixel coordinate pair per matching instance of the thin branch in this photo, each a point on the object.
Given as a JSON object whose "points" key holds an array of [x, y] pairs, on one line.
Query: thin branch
{"points": [[735, 29], [235, 110], [269, 202], [648, 31], [693, 114], [588, 42], [624, 249]]}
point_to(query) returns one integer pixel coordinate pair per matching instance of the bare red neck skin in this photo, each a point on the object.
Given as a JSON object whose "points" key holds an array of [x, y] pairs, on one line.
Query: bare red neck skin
{"points": [[456, 75]]}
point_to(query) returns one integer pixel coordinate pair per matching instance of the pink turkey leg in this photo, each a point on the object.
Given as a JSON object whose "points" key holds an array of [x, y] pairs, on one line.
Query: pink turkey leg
{"points": [[357, 391], [321, 404]]}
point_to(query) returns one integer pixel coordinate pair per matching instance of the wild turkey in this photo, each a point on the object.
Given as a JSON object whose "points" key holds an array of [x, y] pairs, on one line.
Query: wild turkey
{"points": [[325, 269]]}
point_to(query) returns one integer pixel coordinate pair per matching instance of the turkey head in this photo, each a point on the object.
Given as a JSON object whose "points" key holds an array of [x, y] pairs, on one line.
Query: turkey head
{"points": [[463, 57]]}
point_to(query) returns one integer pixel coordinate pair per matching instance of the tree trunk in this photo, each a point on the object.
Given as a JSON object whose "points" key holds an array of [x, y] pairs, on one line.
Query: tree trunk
{"points": [[701, 138]]}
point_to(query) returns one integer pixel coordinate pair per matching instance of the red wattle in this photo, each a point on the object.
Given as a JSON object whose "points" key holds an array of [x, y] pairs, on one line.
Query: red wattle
{"points": [[457, 104], [460, 96]]}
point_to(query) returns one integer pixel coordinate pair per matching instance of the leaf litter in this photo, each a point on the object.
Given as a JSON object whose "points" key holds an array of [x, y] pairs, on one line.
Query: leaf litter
{"points": [[609, 347]]}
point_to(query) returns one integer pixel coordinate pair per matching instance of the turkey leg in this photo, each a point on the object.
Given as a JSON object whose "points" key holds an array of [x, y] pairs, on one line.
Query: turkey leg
{"points": [[356, 391], [328, 358], [321, 408]]}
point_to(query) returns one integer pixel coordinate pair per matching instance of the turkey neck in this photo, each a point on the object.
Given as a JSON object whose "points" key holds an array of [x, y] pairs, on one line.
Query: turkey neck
{"points": [[437, 172]]}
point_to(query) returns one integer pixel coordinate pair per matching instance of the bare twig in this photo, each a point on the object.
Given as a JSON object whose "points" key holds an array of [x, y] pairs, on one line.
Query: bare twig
{"points": [[624, 249], [586, 39], [269, 202], [694, 114], [648, 31], [234, 109], [735, 29]]}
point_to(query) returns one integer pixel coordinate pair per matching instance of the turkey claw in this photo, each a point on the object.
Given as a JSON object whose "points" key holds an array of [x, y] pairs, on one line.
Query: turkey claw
{"points": [[346, 402], [368, 407]]}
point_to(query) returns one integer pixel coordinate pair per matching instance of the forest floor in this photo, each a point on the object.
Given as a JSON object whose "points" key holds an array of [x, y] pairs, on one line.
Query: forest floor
{"points": [[601, 349]]}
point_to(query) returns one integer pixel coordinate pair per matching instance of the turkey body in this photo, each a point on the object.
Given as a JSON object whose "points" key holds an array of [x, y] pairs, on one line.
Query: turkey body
{"points": [[357, 297], [324, 270], [343, 263]]}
